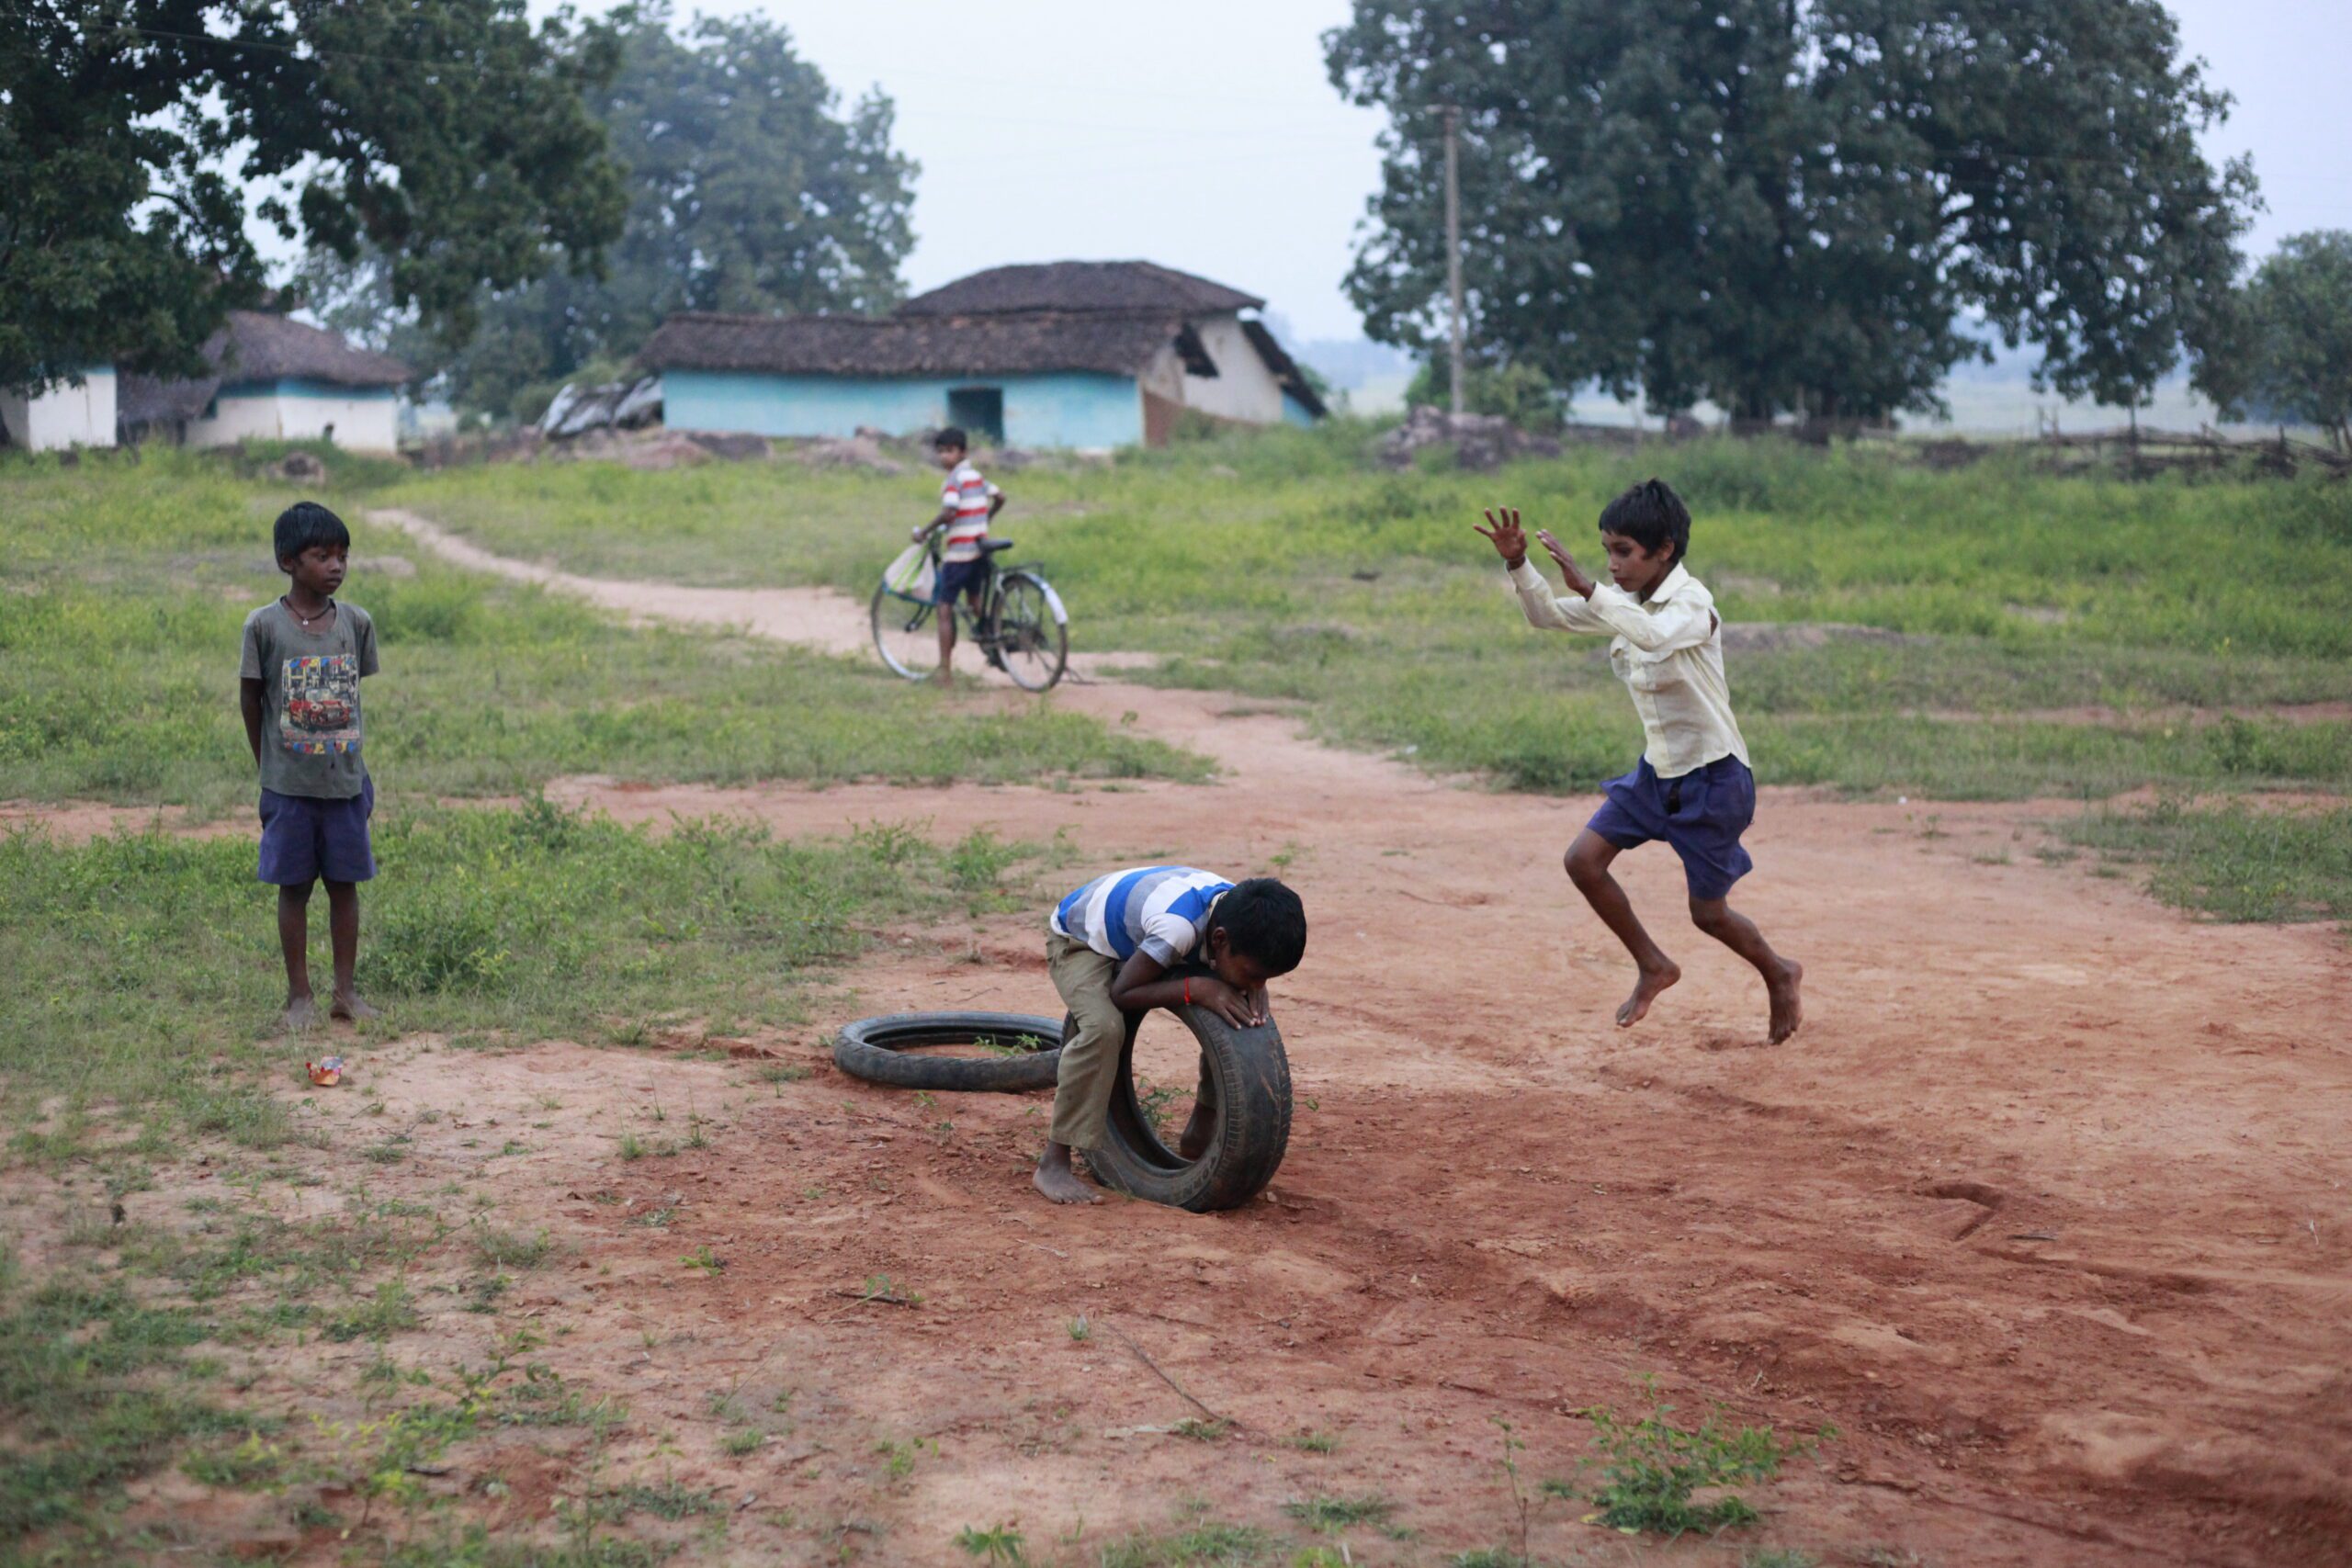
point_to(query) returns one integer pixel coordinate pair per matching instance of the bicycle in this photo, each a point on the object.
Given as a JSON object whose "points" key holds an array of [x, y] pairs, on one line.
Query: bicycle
{"points": [[1019, 626]]}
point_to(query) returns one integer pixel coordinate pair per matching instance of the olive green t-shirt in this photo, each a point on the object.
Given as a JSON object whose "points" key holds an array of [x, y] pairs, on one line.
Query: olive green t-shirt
{"points": [[310, 711]]}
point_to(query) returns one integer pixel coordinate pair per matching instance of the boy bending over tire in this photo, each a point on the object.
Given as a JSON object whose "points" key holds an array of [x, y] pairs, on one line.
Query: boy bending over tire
{"points": [[1110, 946]]}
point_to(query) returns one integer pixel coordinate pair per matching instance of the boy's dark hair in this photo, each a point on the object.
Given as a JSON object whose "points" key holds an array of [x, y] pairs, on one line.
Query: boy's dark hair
{"points": [[306, 524], [1650, 514], [1262, 920], [951, 436]]}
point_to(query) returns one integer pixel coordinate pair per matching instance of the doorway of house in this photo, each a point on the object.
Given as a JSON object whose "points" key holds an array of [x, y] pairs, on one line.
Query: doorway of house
{"points": [[979, 410]]}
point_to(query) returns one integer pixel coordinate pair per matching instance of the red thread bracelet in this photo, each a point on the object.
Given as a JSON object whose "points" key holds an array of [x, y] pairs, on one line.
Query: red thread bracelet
{"points": [[1187, 990]]}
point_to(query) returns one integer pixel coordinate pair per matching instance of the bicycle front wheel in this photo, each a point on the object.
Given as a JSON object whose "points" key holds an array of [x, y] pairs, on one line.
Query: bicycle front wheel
{"points": [[1032, 639], [905, 635]]}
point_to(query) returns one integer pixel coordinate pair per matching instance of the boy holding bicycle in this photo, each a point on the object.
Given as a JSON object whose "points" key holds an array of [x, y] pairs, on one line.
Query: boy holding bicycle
{"points": [[967, 503]]}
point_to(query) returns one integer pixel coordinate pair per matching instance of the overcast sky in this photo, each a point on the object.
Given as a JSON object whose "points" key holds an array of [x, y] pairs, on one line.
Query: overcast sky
{"points": [[1204, 135]]}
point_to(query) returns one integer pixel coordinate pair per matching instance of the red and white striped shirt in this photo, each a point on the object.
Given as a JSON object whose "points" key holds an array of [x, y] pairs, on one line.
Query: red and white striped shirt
{"points": [[968, 494]]}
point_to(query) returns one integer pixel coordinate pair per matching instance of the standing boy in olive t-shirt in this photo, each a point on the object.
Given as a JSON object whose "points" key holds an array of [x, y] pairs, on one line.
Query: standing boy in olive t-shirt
{"points": [[298, 685]]}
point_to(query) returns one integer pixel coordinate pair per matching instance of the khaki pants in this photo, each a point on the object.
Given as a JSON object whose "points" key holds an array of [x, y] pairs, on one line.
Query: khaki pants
{"points": [[1090, 1065]]}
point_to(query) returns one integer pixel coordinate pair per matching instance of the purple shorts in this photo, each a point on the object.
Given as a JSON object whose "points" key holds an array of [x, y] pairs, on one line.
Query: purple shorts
{"points": [[1701, 813], [304, 839]]}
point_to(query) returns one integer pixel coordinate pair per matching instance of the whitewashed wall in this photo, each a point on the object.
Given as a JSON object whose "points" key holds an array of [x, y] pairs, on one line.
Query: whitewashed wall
{"points": [[363, 421], [64, 415], [1243, 387]]}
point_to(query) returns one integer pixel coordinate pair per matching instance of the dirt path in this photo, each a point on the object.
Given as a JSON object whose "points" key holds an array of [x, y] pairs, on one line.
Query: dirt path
{"points": [[2046, 1207]]}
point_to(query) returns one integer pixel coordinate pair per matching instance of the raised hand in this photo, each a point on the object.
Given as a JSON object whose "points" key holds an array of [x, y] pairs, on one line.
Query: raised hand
{"points": [[1578, 583], [1503, 532]]}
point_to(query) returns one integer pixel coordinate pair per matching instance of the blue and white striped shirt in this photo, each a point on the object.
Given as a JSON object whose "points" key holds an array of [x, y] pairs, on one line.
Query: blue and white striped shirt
{"points": [[1162, 911]]}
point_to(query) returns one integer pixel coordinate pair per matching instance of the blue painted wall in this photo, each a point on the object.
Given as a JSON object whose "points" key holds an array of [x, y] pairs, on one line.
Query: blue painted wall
{"points": [[301, 387], [1296, 413], [1060, 408]]}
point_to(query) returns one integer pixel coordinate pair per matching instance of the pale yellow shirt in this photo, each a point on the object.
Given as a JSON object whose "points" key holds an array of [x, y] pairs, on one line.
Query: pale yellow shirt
{"points": [[1667, 649]]}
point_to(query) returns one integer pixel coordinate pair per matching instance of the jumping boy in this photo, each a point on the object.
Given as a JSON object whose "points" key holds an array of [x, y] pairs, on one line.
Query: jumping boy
{"points": [[1110, 946], [298, 685], [968, 503], [1693, 787]]}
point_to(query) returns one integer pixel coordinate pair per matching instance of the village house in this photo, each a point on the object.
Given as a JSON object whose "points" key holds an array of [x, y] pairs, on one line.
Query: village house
{"points": [[63, 415], [1086, 355], [274, 379]]}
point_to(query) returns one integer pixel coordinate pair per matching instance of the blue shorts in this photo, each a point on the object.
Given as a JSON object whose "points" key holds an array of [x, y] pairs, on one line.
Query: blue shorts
{"points": [[958, 576], [1701, 813], [304, 839]]}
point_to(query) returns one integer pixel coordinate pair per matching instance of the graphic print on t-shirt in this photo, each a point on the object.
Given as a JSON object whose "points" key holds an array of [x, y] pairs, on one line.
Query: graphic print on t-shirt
{"points": [[322, 704]]}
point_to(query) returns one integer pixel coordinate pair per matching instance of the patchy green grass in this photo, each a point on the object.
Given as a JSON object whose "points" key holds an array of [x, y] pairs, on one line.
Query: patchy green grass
{"points": [[532, 921], [123, 587], [2232, 863], [1207, 1544], [1284, 564], [1340, 1513]]}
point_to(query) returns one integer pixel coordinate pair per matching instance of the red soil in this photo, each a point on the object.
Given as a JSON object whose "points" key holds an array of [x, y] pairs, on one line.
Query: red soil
{"points": [[2045, 1208]]}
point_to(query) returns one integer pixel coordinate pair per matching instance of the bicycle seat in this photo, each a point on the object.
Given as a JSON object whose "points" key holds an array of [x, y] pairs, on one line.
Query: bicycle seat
{"points": [[992, 545]]}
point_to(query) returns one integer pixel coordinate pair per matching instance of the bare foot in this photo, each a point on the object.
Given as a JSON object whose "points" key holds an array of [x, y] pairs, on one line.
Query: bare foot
{"points": [[1787, 1008], [1645, 990], [352, 1008], [1194, 1140], [301, 1015], [1060, 1184]]}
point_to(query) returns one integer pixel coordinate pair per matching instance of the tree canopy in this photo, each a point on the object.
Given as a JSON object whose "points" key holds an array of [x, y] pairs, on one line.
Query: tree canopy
{"points": [[2293, 340], [750, 190], [450, 137], [1798, 208]]}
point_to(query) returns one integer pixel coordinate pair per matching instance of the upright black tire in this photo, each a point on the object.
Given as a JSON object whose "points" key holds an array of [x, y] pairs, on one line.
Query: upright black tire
{"points": [[1252, 1075], [875, 1049]]}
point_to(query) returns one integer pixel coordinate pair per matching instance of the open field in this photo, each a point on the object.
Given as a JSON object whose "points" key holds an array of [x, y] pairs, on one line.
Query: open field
{"points": [[1991, 634], [123, 585], [597, 1261]]}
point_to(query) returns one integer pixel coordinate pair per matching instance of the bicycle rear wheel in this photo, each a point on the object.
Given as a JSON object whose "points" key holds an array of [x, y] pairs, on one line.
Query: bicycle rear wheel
{"points": [[904, 634], [1032, 639]]}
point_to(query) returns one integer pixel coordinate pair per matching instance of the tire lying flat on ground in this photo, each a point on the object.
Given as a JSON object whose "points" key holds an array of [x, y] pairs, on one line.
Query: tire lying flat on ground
{"points": [[1251, 1074], [879, 1050]]}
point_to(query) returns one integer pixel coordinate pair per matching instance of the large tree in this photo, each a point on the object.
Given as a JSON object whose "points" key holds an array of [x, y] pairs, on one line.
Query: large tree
{"points": [[2292, 360], [751, 190], [448, 136], [1797, 205]]}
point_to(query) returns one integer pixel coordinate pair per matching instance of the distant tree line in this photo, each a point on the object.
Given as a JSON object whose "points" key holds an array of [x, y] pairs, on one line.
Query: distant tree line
{"points": [[1801, 209]]}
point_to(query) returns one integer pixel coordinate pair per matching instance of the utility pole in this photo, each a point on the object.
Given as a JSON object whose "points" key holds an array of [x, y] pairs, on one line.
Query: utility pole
{"points": [[1453, 256]]}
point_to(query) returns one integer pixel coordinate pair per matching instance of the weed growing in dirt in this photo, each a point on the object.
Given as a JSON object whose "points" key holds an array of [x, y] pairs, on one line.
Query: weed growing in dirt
{"points": [[1313, 1443], [741, 1441], [1203, 1545], [499, 1247], [998, 1543], [1202, 1431], [252, 1465], [1079, 1329], [1650, 1468], [882, 1287], [705, 1260], [671, 1500], [899, 1457], [1337, 1514]]}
